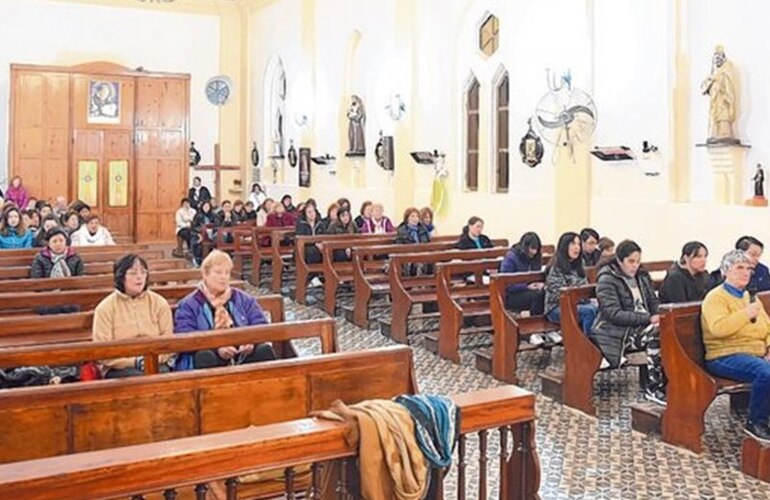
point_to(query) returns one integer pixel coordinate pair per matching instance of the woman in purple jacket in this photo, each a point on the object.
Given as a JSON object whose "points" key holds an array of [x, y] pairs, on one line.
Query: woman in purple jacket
{"points": [[524, 257], [215, 305]]}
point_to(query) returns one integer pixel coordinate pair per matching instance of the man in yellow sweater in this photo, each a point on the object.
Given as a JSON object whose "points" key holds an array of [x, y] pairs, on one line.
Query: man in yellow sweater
{"points": [[736, 334]]}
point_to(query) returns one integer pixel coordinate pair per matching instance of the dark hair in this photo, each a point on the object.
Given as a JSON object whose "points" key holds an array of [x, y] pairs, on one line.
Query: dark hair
{"points": [[473, 220], [333, 206], [343, 201], [626, 248], [311, 201], [258, 185], [54, 231], [528, 241], [561, 259], [49, 217], [365, 204], [691, 249], [342, 211], [238, 203], [588, 232], [21, 229], [226, 201], [409, 211], [83, 206], [196, 178], [122, 266], [183, 201], [41, 203], [605, 243], [304, 210], [69, 214], [744, 242], [92, 217], [285, 197], [207, 202]]}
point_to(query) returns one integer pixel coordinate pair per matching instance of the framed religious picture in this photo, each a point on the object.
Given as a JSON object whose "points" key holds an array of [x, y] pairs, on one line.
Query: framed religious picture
{"points": [[104, 102], [304, 167]]}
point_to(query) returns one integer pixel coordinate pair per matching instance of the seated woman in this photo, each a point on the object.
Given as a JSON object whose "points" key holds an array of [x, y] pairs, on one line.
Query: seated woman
{"points": [[472, 237], [606, 247], [343, 225], [566, 270], [265, 209], [71, 222], [13, 234], [589, 239], [49, 222], [215, 305], [331, 215], [628, 319], [131, 311], [736, 335], [426, 217], [31, 220], [184, 217], [239, 212], [249, 212], [280, 217], [411, 229], [364, 215], [288, 204], [205, 216], [525, 257], [57, 260], [92, 233], [309, 224], [688, 279], [378, 223]]}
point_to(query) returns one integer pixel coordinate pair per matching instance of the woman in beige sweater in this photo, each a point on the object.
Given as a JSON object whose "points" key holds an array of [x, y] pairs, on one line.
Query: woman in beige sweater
{"points": [[131, 311]]}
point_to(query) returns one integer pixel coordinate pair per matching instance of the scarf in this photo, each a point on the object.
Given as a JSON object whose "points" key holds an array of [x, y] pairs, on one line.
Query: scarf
{"points": [[222, 318], [414, 232], [436, 424], [60, 268]]}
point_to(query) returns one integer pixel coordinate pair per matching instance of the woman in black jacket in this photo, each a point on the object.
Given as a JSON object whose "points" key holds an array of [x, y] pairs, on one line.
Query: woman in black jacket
{"points": [[57, 260], [343, 225], [204, 216], [688, 279], [49, 222], [472, 237], [628, 319], [309, 224]]}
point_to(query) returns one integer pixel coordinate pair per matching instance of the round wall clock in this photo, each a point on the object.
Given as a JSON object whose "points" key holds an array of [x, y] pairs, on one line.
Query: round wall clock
{"points": [[219, 90]]}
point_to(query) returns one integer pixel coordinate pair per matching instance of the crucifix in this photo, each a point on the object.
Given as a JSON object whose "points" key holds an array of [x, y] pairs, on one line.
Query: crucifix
{"points": [[217, 168]]}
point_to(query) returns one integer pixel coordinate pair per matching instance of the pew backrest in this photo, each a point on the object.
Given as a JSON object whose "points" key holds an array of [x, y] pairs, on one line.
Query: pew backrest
{"points": [[93, 281]]}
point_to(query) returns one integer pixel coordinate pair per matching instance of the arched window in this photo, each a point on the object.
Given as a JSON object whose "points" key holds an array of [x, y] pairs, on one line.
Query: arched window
{"points": [[472, 136], [502, 156]]}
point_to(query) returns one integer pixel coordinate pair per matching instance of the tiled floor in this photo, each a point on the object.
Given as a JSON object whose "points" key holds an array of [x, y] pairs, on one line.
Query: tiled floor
{"points": [[584, 457]]}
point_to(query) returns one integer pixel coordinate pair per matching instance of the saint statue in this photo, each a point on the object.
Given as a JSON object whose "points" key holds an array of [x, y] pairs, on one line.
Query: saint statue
{"points": [[759, 182], [720, 86], [356, 124]]}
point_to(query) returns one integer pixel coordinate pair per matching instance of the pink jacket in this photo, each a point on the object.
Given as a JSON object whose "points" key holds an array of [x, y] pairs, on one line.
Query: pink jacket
{"points": [[17, 195]]}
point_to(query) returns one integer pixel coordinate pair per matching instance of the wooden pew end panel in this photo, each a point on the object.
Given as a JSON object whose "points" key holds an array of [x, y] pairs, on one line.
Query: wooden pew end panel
{"points": [[755, 459], [646, 417], [552, 382]]}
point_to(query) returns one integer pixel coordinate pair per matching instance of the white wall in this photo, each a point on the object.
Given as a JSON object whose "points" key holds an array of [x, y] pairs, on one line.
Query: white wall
{"points": [[55, 33]]}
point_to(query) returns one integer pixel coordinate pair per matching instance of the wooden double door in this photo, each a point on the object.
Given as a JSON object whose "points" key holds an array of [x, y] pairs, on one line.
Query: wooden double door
{"points": [[108, 136]]}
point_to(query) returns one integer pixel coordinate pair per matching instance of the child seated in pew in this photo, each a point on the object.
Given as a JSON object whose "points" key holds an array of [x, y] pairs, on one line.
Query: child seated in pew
{"points": [[472, 237], [57, 260], [736, 335], [687, 280], [13, 232], [525, 257], [131, 311], [566, 270], [215, 305], [628, 319], [92, 233]]}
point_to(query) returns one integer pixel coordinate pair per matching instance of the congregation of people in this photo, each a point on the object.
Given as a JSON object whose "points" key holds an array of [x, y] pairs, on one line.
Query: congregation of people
{"points": [[623, 320]]}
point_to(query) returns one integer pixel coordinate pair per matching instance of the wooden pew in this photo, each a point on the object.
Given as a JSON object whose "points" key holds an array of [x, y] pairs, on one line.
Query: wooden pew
{"points": [[406, 291], [58, 420], [21, 272], [207, 461], [282, 253], [76, 327], [281, 334], [655, 267], [510, 328], [262, 250], [370, 272], [26, 302], [95, 281], [87, 258], [31, 252]]}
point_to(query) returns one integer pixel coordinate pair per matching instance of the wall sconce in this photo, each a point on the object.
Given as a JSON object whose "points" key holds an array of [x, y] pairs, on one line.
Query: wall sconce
{"points": [[436, 158], [326, 160], [396, 107]]}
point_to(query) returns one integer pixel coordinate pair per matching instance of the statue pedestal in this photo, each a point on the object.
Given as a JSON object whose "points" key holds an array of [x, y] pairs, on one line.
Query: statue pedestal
{"points": [[757, 201], [727, 164]]}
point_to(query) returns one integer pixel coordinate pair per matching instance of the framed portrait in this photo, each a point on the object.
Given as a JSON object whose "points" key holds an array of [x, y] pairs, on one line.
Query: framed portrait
{"points": [[304, 167], [104, 102]]}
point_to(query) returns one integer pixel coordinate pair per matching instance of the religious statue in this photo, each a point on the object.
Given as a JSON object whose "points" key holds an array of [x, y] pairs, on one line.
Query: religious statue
{"points": [[356, 124], [759, 182], [720, 86]]}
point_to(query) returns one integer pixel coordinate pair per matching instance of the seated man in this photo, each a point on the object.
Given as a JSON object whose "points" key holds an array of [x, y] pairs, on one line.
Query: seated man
{"points": [[92, 233], [131, 311], [736, 335], [215, 305]]}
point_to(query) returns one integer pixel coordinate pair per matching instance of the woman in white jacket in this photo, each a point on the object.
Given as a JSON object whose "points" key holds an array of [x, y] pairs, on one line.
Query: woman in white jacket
{"points": [[92, 233], [257, 195], [184, 218]]}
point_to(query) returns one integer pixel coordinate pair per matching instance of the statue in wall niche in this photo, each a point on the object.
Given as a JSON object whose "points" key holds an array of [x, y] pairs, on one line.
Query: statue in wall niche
{"points": [[356, 124], [759, 182], [720, 86]]}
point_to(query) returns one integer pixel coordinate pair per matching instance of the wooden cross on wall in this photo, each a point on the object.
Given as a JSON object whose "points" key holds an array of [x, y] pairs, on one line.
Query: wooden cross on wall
{"points": [[217, 168]]}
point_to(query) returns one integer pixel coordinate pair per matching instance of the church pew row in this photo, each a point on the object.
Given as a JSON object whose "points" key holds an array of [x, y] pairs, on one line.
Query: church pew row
{"points": [[280, 334], [95, 281], [87, 258], [204, 463], [574, 385], [407, 291], [31, 252], [29, 330], [305, 269], [338, 273], [73, 418], [511, 330], [86, 300], [22, 272], [282, 251]]}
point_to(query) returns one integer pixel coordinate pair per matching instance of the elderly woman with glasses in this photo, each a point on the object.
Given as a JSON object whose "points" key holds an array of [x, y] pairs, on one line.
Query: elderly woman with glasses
{"points": [[131, 311]]}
